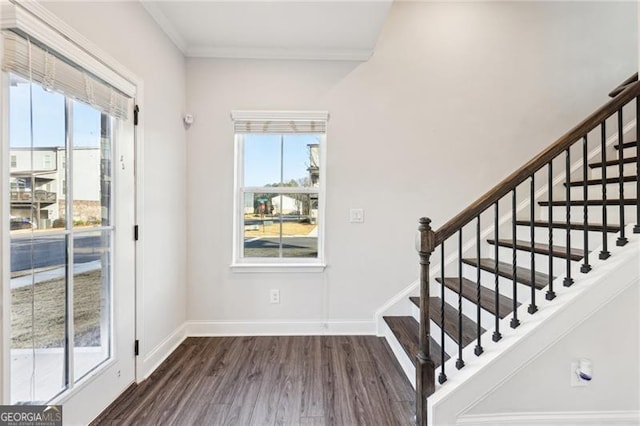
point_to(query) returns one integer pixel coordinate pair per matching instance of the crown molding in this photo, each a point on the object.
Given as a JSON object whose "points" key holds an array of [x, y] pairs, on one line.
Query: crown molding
{"points": [[167, 27]]}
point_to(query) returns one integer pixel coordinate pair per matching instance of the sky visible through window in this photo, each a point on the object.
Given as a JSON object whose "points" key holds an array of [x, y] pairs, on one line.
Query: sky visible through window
{"points": [[48, 118], [262, 164]]}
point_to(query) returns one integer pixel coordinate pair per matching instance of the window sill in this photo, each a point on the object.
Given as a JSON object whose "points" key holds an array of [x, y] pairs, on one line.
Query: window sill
{"points": [[278, 267]]}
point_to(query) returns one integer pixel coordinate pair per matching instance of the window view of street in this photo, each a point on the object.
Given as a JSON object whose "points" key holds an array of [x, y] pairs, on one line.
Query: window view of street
{"points": [[60, 239], [281, 186]]}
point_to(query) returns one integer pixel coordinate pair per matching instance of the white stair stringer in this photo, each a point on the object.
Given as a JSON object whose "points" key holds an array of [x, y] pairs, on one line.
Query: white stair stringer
{"points": [[554, 319]]}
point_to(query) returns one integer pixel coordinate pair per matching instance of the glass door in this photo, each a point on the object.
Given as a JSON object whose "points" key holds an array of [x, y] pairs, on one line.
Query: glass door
{"points": [[64, 184]]}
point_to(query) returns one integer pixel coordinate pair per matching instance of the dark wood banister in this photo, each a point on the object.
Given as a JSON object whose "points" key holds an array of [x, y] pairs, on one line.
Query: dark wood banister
{"points": [[615, 92], [516, 178]]}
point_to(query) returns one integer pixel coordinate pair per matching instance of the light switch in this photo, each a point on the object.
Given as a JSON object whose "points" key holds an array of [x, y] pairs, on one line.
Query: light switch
{"points": [[356, 215]]}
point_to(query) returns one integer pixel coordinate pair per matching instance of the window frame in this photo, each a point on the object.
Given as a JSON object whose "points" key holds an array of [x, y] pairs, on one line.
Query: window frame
{"points": [[240, 263]]}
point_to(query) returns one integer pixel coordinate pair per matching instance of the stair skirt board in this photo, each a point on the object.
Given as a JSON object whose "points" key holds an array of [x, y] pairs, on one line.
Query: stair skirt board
{"points": [[567, 418]]}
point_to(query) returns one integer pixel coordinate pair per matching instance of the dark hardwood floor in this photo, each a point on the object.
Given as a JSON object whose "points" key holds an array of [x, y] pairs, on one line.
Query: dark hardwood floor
{"points": [[288, 380]]}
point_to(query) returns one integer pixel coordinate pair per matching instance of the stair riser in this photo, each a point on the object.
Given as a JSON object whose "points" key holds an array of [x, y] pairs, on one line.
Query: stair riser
{"points": [[541, 235], [505, 285], [594, 213], [541, 260], [612, 170], [595, 191]]}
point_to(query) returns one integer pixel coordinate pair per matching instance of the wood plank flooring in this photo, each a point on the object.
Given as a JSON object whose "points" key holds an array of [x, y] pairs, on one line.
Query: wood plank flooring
{"points": [[285, 380]]}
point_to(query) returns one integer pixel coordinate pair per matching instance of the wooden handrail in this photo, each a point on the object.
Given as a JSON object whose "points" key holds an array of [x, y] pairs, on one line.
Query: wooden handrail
{"points": [[615, 92], [516, 178]]}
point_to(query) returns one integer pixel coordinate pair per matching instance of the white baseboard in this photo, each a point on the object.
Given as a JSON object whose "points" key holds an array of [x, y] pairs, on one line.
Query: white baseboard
{"points": [[279, 328], [152, 360], [567, 418]]}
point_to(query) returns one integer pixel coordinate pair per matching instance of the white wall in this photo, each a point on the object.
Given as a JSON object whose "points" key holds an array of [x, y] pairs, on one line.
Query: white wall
{"points": [[126, 32], [456, 96], [609, 339]]}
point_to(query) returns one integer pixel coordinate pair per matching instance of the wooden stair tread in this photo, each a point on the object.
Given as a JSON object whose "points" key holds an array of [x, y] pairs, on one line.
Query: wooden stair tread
{"points": [[487, 296], [596, 227], [629, 144], [610, 180], [506, 270], [407, 330], [450, 320], [540, 248], [610, 202], [613, 162]]}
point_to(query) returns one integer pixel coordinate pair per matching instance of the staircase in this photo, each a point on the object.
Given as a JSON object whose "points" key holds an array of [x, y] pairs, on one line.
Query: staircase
{"points": [[539, 230]]}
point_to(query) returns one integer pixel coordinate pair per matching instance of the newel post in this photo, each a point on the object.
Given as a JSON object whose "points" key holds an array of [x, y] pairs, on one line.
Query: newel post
{"points": [[425, 371]]}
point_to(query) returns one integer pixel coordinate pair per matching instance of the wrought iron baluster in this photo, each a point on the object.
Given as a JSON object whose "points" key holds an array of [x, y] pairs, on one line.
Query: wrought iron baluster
{"points": [[622, 240], [496, 334], [514, 319], [478, 349], [459, 361], [604, 254], [568, 281], [585, 268], [636, 228], [532, 305], [442, 377], [550, 293]]}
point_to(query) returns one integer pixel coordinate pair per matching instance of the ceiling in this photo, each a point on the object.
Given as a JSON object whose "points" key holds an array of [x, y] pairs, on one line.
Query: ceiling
{"points": [[278, 29]]}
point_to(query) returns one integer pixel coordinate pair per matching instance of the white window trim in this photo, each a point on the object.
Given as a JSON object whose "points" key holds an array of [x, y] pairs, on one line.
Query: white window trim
{"points": [[264, 265]]}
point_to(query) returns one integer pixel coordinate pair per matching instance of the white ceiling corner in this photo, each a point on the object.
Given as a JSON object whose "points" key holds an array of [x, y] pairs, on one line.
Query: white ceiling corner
{"points": [[165, 24], [272, 29]]}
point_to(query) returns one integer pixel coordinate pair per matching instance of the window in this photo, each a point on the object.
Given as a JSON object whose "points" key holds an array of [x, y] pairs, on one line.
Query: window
{"points": [[279, 190], [14, 161]]}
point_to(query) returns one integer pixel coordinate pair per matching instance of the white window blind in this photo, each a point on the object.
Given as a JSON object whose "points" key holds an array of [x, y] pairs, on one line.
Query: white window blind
{"points": [[24, 57], [279, 122]]}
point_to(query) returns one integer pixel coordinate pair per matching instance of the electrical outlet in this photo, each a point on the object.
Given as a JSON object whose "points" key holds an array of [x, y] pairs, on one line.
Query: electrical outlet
{"points": [[274, 296]]}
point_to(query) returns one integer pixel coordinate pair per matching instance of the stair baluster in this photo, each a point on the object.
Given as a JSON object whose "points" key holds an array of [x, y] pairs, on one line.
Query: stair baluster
{"points": [[496, 333], [568, 281], [550, 293], [478, 349], [459, 361], [514, 320], [442, 377], [604, 253], [622, 240], [532, 305], [585, 268], [636, 228]]}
